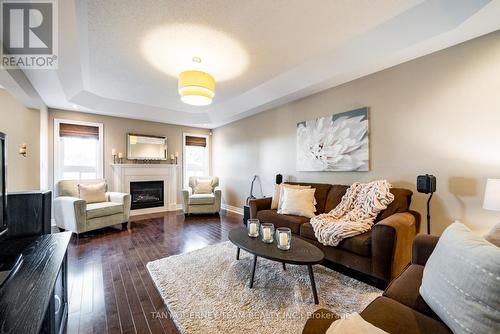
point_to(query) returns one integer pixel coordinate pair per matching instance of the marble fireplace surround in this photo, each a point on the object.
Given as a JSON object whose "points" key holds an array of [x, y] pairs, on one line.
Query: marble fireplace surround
{"points": [[123, 174]]}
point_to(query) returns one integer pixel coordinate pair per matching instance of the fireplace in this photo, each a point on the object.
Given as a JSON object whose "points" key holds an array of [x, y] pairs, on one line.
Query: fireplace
{"points": [[147, 194]]}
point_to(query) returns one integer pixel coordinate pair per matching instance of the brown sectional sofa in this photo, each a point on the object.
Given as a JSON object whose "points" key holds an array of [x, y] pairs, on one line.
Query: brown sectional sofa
{"points": [[400, 309], [381, 253]]}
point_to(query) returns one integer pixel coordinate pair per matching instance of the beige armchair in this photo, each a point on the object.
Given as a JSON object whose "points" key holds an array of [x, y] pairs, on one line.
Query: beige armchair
{"points": [[74, 214], [202, 203]]}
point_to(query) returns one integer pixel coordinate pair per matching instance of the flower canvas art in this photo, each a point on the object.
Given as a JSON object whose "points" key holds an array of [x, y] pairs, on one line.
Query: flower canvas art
{"points": [[334, 143]]}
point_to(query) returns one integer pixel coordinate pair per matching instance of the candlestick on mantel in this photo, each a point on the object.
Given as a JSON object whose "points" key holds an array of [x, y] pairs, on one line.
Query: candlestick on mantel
{"points": [[120, 157], [113, 153]]}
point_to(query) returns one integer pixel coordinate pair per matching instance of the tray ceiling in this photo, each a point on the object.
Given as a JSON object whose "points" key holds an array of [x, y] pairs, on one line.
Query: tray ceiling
{"points": [[122, 57]]}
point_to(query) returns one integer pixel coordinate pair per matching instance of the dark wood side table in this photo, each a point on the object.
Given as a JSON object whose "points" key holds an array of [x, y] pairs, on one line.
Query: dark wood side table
{"points": [[300, 253]]}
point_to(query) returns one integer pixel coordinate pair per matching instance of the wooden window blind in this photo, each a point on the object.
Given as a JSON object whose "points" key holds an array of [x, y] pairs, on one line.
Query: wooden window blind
{"points": [[75, 130], [196, 141]]}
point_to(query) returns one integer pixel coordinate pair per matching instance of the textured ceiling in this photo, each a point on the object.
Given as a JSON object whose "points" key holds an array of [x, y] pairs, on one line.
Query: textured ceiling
{"points": [[120, 57], [277, 35]]}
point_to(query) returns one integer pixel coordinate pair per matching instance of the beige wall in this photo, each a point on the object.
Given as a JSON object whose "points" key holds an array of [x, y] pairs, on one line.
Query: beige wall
{"points": [[22, 125], [115, 131], [439, 114]]}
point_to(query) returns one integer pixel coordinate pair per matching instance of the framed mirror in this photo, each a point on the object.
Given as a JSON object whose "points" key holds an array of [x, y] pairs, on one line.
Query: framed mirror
{"points": [[144, 147]]}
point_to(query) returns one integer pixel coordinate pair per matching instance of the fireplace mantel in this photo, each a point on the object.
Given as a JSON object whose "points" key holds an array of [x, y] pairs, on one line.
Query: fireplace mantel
{"points": [[123, 174]]}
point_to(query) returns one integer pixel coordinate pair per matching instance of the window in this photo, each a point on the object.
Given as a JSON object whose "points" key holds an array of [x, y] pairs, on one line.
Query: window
{"points": [[196, 156], [78, 150]]}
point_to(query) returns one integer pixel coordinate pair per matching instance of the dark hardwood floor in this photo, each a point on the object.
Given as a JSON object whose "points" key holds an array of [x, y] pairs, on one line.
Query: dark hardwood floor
{"points": [[110, 290]]}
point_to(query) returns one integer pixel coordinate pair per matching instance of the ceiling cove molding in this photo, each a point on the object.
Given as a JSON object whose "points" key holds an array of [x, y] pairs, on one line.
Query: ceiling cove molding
{"points": [[397, 40]]}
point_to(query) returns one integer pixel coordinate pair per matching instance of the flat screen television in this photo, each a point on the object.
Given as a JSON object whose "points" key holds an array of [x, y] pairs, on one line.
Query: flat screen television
{"points": [[3, 194]]}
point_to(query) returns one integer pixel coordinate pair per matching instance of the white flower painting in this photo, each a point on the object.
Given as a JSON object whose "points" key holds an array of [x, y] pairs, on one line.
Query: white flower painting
{"points": [[334, 143]]}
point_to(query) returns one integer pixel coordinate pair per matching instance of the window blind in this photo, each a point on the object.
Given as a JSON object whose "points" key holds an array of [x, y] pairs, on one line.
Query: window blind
{"points": [[75, 130], [196, 141]]}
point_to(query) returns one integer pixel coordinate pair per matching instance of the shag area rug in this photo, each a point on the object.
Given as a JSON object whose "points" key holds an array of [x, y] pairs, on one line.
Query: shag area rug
{"points": [[206, 291]]}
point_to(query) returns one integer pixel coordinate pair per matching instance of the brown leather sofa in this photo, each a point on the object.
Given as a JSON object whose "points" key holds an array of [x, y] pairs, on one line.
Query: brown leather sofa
{"points": [[400, 309], [381, 253]]}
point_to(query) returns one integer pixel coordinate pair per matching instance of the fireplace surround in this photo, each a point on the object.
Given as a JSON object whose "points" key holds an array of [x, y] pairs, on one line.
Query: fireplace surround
{"points": [[126, 174]]}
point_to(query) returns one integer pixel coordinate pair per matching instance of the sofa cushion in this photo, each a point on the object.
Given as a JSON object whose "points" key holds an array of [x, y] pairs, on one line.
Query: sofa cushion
{"points": [[404, 289], [401, 203], [360, 244], [319, 321], [202, 199], [320, 194], [95, 210], [334, 196], [394, 317], [290, 221]]}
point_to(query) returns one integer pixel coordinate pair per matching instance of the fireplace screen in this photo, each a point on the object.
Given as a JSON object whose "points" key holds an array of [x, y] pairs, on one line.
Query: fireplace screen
{"points": [[148, 194]]}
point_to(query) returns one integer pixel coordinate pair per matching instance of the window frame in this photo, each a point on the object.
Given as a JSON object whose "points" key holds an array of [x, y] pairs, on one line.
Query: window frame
{"points": [[57, 148], [184, 155]]}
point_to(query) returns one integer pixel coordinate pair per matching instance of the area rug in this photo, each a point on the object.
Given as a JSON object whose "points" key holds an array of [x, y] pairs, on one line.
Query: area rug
{"points": [[207, 291]]}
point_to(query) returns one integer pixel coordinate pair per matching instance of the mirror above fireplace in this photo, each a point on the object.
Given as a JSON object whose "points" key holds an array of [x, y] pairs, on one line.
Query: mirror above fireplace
{"points": [[144, 147]]}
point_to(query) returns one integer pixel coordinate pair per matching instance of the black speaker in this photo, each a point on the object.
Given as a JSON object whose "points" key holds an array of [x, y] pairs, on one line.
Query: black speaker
{"points": [[279, 179], [426, 184]]}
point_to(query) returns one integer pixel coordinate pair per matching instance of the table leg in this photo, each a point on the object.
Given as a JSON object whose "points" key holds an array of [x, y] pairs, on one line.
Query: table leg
{"points": [[253, 270], [313, 284], [284, 265], [238, 253]]}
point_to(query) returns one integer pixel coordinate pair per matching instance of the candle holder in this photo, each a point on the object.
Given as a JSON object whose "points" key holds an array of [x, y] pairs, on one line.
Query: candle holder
{"points": [[267, 233], [114, 158], [284, 238], [253, 226]]}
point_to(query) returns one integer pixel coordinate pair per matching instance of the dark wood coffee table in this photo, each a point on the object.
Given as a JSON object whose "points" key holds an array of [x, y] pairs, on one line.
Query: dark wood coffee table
{"points": [[300, 253]]}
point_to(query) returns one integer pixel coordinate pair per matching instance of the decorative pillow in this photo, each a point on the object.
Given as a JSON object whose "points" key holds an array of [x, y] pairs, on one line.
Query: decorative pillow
{"points": [[276, 196], [493, 235], [277, 200], [353, 324], [203, 186], [92, 193], [461, 281], [299, 202]]}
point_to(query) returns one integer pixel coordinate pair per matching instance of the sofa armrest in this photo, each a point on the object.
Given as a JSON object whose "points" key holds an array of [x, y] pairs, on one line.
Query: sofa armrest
{"points": [[391, 244], [258, 204], [70, 213], [319, 322], [186, 192], [423, 246], [218, 198], [122, 198]]}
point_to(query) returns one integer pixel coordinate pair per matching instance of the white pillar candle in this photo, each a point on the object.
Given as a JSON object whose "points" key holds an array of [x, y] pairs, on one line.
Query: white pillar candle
{"points": [[253, 228], [267, 233], [176, 154], [283, 239], [120, 155], [113, 151]]}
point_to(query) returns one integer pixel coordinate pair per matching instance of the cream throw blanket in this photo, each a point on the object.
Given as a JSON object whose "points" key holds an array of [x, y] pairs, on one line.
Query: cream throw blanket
{"points": [[355, 214]]}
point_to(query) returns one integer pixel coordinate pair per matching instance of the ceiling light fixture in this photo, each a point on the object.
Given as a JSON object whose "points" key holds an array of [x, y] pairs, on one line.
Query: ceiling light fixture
{"points": [[196, 88]]}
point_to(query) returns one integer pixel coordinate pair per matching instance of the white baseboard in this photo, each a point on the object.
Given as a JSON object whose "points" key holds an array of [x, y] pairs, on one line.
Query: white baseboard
{"points": [[233, 209]]}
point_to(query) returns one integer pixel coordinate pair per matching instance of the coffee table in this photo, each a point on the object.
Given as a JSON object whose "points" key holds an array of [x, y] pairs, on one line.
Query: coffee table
{"points": [[301, 253]]}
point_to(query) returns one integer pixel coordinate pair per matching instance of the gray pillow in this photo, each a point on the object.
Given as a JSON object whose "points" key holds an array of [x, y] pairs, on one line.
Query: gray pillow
{"points": [[461, 281]]}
